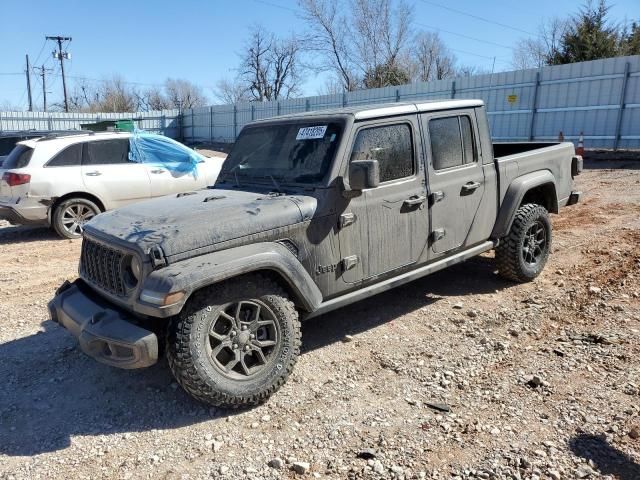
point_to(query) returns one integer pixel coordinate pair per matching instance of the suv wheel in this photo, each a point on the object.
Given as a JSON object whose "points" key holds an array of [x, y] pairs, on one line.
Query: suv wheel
{"points": [[235, 344], [70, 216], [523, 253]]}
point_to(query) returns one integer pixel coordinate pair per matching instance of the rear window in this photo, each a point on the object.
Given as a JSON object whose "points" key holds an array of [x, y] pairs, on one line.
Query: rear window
{"points": [[69, 157], [18, 158]]}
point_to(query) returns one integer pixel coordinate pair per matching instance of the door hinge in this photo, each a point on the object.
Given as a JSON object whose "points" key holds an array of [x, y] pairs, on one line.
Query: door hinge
{"points": [[435, 197], [438, 234], [347, 219], [349, 262]]}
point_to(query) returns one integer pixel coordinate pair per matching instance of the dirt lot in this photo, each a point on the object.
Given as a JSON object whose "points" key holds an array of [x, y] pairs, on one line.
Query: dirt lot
{"points": [[542, 380]]}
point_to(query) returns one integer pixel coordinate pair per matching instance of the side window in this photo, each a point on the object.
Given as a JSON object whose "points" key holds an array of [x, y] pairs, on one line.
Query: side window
{"points": [[391, 145], [451, 142], [467, 140], [69, 157], [107, 152]]}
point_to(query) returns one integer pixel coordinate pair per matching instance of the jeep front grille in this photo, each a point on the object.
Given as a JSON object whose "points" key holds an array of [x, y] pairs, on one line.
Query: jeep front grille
{"points": [[102, 266]]}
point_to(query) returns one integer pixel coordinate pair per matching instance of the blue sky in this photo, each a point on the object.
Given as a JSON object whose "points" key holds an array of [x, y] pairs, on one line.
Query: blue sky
{"points": [[199, 40]]}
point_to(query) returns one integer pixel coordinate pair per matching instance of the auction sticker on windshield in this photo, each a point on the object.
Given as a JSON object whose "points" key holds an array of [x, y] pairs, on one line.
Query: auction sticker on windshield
{"points": [[309, 133]]}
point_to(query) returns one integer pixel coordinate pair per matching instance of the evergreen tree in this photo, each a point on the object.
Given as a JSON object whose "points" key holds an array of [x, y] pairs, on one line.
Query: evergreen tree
{"points": [[588, 37]]}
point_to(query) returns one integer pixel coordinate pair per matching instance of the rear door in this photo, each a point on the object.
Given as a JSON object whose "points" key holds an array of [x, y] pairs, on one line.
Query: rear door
{"points": [[108, 173], [456, 178]]}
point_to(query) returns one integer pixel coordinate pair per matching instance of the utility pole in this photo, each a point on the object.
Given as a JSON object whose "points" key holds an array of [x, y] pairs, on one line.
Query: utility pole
{"points": [[28, 72], [61, 55], [43, 75]]}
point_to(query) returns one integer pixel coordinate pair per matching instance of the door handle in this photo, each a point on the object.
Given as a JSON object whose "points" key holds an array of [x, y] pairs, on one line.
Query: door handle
{"points": [[470, 187], [157, 171], [93, 174], [415, 200]]}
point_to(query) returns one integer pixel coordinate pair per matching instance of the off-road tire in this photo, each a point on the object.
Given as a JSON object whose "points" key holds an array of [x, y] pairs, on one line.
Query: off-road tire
{"points": [[190, 360], [57, 218], [509, 253]]}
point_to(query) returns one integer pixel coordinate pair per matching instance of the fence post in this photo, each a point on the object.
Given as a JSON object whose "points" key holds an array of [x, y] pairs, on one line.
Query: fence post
{"points": [[397, 94], [307, 105], [534, 109], [453, 89], [278, 108], [623, 94], [211, 124], [235, 122], [344, 99], [193, 126], [49, 122], [253, 112]]}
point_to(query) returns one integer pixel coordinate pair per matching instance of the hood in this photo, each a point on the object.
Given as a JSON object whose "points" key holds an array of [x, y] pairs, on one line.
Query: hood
{"points": [[197, 220]]}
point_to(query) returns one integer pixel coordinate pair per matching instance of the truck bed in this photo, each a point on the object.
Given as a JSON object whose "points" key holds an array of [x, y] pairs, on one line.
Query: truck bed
{"points": [[504, 149], [521, 158]]}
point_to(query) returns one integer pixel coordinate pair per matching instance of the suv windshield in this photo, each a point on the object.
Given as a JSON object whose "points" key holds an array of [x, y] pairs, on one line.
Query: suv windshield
{"points": [[297, 152], [18, 158]]}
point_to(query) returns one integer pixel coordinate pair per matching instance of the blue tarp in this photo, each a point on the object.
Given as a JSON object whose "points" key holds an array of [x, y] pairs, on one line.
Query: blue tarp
{"points": [[164, 152]]}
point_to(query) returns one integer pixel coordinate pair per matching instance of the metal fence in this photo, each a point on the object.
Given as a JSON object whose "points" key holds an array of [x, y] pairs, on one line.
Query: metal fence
{"points": [[600, 98], [166, 122]]}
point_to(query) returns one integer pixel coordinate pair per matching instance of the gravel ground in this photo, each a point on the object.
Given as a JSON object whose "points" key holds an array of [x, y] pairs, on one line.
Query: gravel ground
{"points": [[458, 375]]}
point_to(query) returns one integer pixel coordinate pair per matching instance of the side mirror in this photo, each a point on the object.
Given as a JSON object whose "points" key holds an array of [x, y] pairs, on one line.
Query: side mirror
{"points": [[363, 174]]}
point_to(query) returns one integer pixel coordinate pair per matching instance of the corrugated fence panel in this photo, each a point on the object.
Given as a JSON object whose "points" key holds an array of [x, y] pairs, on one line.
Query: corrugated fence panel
{"points": [[166, 122], [525, 104]]}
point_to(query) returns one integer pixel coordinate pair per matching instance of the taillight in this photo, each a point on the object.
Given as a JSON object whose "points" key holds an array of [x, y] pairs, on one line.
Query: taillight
{"points": [[14, 179]]}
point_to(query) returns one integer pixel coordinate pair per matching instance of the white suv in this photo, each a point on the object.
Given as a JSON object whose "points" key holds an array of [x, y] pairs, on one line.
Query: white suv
{"points": [[64, 181]]}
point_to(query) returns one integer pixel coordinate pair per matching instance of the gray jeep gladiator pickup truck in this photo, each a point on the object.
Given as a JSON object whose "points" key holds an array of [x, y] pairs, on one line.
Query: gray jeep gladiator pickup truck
{"points": [[310, 212]]}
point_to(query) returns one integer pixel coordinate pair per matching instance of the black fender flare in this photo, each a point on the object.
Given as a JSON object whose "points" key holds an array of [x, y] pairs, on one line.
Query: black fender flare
{"points": [[513, 198], [198, 272]]}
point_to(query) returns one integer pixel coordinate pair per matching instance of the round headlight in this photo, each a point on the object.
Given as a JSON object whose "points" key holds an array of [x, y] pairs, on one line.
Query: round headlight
{"points": [[132, 271], [136, 267]]}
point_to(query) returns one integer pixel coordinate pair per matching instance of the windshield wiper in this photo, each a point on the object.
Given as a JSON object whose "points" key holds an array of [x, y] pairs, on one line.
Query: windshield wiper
{"points": [[275, 183]]}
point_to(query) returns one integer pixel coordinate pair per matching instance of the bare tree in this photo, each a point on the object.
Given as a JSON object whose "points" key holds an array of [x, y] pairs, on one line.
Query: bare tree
{"points": [[432, 59], [539, 51], [182, 94], [231, 91], [153, 98], [269, 68], [362, 46], [331, 39]]}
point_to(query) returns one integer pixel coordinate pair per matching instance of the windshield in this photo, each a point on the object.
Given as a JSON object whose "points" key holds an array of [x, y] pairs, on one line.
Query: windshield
{"points": [[297, 152], [18, 158]]}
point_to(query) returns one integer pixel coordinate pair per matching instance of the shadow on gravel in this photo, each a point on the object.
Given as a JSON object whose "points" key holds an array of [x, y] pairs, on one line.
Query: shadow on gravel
{"points": [[25, 234], [52, 392], [609, 460], [476, 276]]}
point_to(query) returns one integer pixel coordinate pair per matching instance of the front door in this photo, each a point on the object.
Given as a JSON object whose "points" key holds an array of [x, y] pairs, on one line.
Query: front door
{"points": [[108, 173], [456, 179], [390, 222]]}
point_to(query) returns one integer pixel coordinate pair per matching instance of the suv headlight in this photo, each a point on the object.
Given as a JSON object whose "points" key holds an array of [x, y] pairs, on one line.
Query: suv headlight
{"points": [[132, 271]]}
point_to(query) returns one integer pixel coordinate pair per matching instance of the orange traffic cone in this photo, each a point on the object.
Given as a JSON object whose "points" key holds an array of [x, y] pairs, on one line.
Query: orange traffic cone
{"points": [[561, 136], [580, 148]]}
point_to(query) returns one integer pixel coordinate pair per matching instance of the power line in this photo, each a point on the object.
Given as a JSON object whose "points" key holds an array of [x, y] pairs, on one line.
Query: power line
{"points": [[44, 44], [488, 42], [478, 17]]}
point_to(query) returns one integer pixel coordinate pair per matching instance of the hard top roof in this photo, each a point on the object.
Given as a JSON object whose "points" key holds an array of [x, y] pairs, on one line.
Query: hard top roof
{"points": [[361, 112]]}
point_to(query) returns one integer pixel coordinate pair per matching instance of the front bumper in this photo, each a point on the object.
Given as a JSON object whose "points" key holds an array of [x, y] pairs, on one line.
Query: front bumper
{"points": [[104, 332]]}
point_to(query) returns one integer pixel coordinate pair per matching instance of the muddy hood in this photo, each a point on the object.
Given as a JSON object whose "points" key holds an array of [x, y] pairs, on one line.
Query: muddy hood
{"points": [[199, 221]]}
